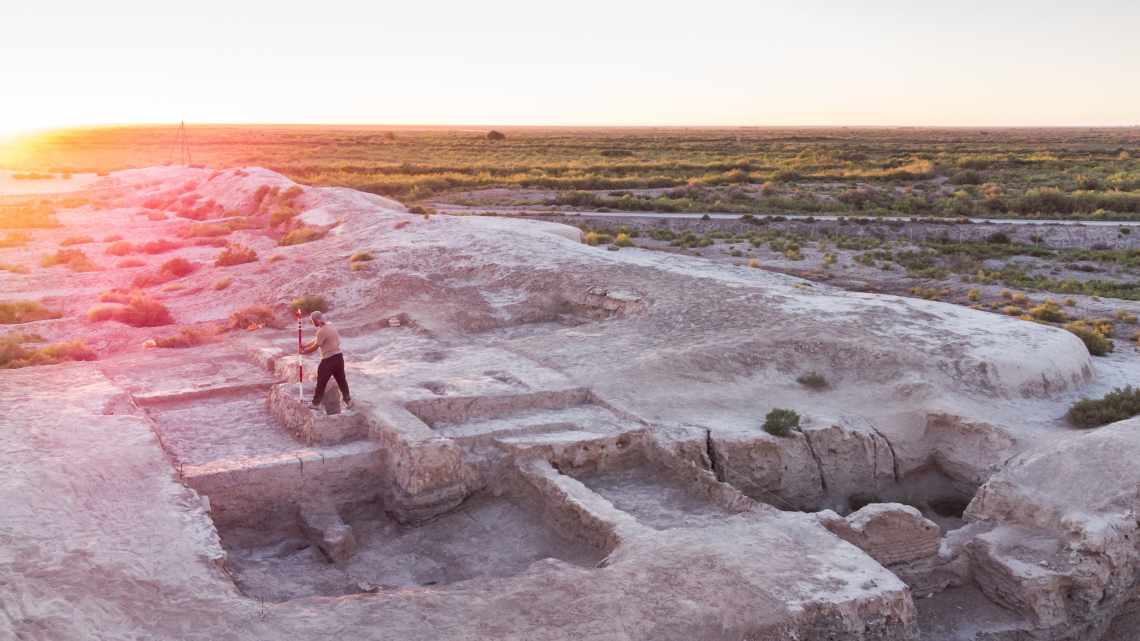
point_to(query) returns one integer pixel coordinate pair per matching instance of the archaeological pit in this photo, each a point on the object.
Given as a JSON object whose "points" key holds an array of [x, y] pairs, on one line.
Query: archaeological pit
{"points": [[550, 441]]}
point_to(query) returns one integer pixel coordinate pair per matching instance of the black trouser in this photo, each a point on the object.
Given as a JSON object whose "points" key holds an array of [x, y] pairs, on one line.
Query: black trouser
{"points": [[331, 367]]}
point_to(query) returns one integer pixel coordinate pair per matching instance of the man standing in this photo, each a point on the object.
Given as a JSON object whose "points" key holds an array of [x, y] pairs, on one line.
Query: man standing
{"points": [[332, 361]]}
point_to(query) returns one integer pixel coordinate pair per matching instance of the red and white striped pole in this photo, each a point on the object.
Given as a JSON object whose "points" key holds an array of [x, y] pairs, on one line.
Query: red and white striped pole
{"points": [[300, 364]]}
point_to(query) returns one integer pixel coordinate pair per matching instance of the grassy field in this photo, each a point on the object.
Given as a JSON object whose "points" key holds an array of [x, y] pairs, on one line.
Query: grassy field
{"points": [[1033, 173]]}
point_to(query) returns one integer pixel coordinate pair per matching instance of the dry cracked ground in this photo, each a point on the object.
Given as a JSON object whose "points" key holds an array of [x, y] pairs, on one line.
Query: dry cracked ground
{"points": [[550, 441]]}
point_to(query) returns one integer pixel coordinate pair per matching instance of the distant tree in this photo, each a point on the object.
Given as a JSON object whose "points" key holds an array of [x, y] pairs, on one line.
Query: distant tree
{"points": [[496, 135]]}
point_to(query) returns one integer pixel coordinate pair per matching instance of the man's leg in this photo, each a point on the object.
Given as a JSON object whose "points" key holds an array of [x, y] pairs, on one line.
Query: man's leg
{"points": [[324, 372], [341, 381]]}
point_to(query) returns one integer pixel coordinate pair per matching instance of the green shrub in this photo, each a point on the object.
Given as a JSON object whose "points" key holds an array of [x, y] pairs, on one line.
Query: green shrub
{"points": [[1097, 343], [14, 268], [623, 240], [1124, 316], [1117, 405], [235, 254], [73, 259], [301, 235], [253, 317], [177, 268], [781, 422], [159, 246], [76, 240], [496, 135], [14, 352], [967, 177], [813, 380], [170, 270], [116, 295], [309, 303], [130, 262], [361, 257], [14, 239], [185, 337], [140, 311], [282, 215], [120, 248], [223, 283], [1049, 312], [25, 311]]}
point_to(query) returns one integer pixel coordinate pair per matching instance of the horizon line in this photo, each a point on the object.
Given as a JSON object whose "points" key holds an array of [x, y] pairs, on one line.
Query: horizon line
{"points": [[457, 125]]}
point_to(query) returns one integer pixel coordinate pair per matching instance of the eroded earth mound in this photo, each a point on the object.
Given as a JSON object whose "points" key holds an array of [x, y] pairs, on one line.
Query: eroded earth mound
{"points": [[549, 441]]}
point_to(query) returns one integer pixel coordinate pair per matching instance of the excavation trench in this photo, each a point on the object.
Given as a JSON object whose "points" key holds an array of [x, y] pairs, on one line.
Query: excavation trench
{"points": [[484, 537], [301, 517]]}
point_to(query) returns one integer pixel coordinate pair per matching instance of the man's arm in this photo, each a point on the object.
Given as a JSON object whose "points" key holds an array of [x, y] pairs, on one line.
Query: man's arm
{"points": [[312, 345]]}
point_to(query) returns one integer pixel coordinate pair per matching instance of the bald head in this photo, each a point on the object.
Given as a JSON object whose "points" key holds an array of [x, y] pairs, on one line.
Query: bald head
{"points": [[317, 317]]}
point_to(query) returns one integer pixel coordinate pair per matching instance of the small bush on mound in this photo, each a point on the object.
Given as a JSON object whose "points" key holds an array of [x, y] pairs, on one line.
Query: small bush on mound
{"points": [[15, 354], [204, 230], [1097, 343], [116, 295], [14, 268], [140, 311], [186, 337], [781, 422], [623, 240], [160, 246], [496, 135], [274, 258], [223, 283], [113, 238], [76, 240], [14, 239], [1119, 404], [25, 311], [309, 303], [361, 257], [177, 267], [235, 254], [253, 317], [130, 262], [301, 235], [1049, 312], [282, 215], [120, 248], [1124, 316], [813, 380], [73, 259]]}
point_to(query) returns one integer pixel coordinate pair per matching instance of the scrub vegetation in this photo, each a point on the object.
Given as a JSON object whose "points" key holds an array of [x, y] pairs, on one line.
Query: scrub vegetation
{"points": [[1025, 173]]}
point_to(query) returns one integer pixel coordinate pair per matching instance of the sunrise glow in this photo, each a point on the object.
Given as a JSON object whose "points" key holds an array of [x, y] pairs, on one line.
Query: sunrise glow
{"points": [[589, 63]]}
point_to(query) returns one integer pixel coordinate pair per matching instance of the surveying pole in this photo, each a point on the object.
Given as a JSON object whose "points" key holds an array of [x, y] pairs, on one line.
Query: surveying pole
{"points": [[300, 364]]}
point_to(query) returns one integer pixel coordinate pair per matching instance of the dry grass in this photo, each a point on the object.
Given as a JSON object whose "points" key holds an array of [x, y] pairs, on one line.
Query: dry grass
{"points": [[73, 259], [15, 351], [186, 337], [25, 311], [302, 235], [139, 311], [119, 248], [236, 254], [253, 317]]}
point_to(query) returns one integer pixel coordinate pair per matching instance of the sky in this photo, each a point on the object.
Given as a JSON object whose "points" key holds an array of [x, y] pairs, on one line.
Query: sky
{"points": [[587, 62]]}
